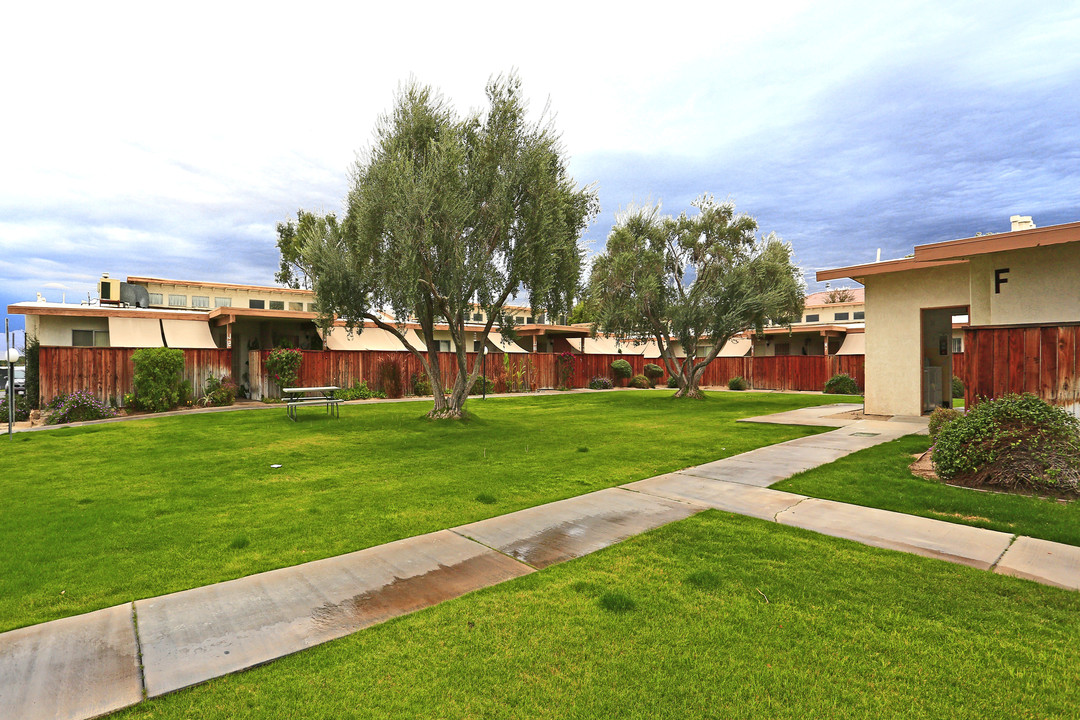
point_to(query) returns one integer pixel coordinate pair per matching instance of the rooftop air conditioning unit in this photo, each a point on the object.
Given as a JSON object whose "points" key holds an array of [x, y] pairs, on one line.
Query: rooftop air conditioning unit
{"points": [[109, 291]]}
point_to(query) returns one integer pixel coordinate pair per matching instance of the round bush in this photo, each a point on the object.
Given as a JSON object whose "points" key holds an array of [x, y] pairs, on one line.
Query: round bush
{"points": [[621, 369], [1015, 442], [957, 387], [939, 419], [421, 384], [601, 383], [673, 382], [842, 384], [283, 365], [22, 409], [653, 371], [640, 381], [737, 383]]}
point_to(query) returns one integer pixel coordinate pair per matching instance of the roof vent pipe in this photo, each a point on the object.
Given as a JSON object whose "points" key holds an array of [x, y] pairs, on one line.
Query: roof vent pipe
{"points": [[1021, 222]]}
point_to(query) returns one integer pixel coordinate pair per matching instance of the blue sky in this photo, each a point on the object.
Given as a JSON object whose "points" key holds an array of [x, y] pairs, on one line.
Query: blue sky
{"points": [[145, 141]]}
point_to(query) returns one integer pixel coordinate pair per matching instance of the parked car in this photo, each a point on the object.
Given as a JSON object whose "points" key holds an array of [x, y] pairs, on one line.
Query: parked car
{"points": [[19, 380]]}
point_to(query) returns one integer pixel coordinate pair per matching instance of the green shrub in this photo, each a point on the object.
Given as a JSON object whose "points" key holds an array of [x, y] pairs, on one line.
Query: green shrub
{"points": [[77, 407], [940, 418], [219, 393], [957, 387], [33, 385], [621, 369], [654, 372], [283, 365], [842, 384], [390, 378], [359, 391], [159, 384], [22, 409], [640, 381], [421, 385], [737, 383], [673, 382], [479, 384], [601, 383], [1012, 442]]}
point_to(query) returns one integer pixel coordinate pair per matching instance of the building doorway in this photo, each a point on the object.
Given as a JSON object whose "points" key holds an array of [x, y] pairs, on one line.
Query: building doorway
{"points": [[936, 356]]}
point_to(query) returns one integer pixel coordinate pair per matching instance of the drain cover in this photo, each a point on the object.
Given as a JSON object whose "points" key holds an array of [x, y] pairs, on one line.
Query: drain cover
{"points": [[864, 434]]}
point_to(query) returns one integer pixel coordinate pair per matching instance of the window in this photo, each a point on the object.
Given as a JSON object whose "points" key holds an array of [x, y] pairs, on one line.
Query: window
{"points": [[155, 299], [957, 345], [222, 302], [444, 345], [177, 300], [296, 306], [478, 317], [200, 301], [517, 321], [476, 346], [277, 304], [840, 316], [813, 318], [90, 338], [257, 304], [859, 315], [528, 321]]}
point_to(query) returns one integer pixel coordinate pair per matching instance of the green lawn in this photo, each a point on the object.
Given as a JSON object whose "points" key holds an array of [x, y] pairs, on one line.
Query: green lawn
{"points": [[879, 477], [848, 632], [105, 514]]}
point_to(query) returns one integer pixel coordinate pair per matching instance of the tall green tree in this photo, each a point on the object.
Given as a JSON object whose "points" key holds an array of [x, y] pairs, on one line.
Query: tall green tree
{"points": [[293, 271], [445, 212], [696, 280]]}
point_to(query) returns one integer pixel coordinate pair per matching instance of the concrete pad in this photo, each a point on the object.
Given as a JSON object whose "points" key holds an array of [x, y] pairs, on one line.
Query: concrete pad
{"points": [[567, 529], [1043, 561], [962, 544], [747, 473], [194, 635], [733, 497], [73, 668], [819, 415]]}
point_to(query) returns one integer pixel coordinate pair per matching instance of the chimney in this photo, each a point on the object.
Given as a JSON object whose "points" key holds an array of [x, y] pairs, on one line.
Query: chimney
{"points": [[1021, 222]]}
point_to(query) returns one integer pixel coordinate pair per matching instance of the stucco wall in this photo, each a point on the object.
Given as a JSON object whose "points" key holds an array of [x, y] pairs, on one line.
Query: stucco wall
{"points": [[55, 330], [1043, 286], [894, 348]]}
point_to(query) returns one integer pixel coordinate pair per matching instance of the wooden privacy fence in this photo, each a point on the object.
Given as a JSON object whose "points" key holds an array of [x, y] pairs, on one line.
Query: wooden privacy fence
{"points": [[534, 371], [1043, 359], [109, 373]]}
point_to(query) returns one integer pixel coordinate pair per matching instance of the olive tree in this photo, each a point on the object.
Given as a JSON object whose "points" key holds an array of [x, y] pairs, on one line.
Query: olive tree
{"points": [[693, 280], [446, 214]]}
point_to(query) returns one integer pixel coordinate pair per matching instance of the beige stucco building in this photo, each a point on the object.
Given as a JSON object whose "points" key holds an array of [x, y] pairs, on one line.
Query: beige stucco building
{"points": [[1027, 277]]}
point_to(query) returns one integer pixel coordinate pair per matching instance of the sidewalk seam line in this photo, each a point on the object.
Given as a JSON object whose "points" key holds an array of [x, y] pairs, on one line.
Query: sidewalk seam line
{"points": [[494, 549], [663, 497], [1007, 547], [138, 650]]}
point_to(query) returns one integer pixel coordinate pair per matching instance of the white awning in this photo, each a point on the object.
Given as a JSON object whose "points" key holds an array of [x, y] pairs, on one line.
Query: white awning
{"points": [[134, 332], [188, 334], [503, 345], [370, 339], [854, 344], [607, 345], [736, 347]]}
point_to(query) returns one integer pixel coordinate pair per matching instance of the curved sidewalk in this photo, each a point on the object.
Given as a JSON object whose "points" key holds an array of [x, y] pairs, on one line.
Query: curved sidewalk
{"points": [[92, 664]]}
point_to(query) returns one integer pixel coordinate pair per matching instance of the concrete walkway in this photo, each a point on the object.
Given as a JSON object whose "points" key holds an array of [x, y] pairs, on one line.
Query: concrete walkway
{"points": [[88, 665]]}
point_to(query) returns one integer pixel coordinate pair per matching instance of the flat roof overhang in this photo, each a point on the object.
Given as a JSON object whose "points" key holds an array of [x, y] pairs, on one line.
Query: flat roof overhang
{"points": [[228, 315], [105, 311], [568, 331]]}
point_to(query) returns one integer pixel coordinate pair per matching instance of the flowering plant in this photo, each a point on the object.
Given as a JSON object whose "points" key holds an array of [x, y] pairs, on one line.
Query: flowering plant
{"points": [[283, 365], [565, 363], [76, 407]]}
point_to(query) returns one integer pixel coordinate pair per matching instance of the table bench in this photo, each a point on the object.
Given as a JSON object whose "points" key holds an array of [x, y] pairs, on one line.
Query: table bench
{"points": [[302, 398]]}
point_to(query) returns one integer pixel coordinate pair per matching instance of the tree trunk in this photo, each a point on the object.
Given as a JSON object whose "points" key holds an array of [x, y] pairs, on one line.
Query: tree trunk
{"points": [[688, 379]]}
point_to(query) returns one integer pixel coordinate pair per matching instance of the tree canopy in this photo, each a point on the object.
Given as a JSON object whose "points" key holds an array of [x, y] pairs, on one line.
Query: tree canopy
{"points": [[695, 280], [445, 214]]}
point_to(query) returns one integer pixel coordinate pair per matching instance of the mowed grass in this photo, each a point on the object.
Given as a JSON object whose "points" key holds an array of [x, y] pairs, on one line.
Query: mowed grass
{"points": [[102, 515], [879, 477], [716, 616]]}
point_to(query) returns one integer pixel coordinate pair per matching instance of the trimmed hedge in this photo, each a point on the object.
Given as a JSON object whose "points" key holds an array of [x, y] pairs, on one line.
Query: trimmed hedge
{"points": [[640, 381], [737, 383], [842, 384], [621, 369]]}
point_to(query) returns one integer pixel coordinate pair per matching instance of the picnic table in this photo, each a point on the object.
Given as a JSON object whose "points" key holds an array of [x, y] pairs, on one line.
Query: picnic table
{"points": [[304, 396]]}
